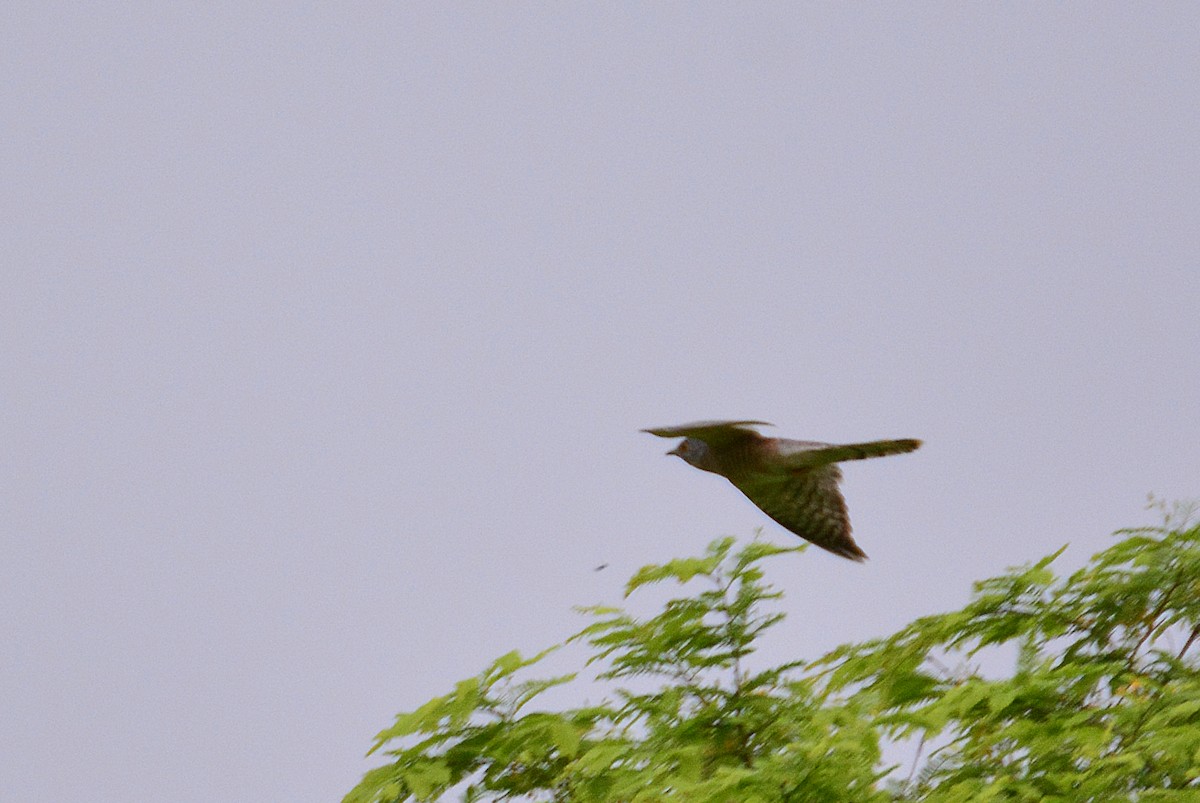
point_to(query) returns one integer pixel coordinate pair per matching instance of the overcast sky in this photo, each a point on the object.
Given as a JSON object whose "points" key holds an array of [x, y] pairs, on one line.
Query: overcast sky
{"points": [[327, 331]]}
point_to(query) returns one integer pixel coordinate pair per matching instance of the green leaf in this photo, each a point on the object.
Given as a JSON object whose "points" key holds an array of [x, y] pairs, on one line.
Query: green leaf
{"points": [[565, 736], [426, 778]]}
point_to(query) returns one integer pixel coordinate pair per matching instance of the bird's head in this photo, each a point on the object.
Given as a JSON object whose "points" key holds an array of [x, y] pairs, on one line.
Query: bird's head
{"points": [[694, 452]]}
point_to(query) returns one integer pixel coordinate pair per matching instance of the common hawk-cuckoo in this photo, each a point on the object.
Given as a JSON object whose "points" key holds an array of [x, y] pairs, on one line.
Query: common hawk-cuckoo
{"points": [[793, 482]]}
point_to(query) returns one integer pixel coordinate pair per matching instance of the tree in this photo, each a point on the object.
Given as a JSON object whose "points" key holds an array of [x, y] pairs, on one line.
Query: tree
{"points": [[1103, 702]]}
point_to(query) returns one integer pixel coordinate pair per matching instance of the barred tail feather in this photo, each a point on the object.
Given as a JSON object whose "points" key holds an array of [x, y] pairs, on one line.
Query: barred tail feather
{"points": [[862, 451]]}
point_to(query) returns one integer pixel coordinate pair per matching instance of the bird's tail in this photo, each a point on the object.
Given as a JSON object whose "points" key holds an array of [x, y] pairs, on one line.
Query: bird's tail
{"points": [[861, 451]]}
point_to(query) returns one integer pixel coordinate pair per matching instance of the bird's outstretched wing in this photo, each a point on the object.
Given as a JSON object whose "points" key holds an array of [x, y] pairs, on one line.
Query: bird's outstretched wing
{"points": [[715, 433], [808, 503]]}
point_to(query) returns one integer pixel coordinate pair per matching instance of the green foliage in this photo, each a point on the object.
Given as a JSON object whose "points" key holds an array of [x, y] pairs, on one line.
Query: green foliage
{"points": [[1103, 702]]}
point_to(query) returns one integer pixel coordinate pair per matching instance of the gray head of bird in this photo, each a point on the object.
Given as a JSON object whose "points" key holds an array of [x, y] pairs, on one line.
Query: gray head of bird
{"points": [[696, 453]]}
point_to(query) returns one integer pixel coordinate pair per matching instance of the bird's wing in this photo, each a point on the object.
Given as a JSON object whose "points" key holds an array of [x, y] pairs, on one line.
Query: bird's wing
{"points": [[808, 503], [715, 433], [805, 454]]}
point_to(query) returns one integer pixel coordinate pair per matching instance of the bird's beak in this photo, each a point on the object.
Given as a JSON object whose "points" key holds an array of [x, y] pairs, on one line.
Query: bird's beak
{"points": [[677, 451]]}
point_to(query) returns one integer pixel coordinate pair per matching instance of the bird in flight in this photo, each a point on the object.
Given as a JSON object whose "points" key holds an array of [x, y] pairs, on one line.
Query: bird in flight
{"points": [[793, 482]]}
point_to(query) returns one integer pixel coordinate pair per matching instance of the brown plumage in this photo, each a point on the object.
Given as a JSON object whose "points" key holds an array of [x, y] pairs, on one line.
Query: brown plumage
{"points": [[793, 482]]}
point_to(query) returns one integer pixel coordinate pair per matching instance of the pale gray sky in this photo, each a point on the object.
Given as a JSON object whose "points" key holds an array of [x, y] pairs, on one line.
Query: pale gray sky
{"points": [[327, 331]]}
